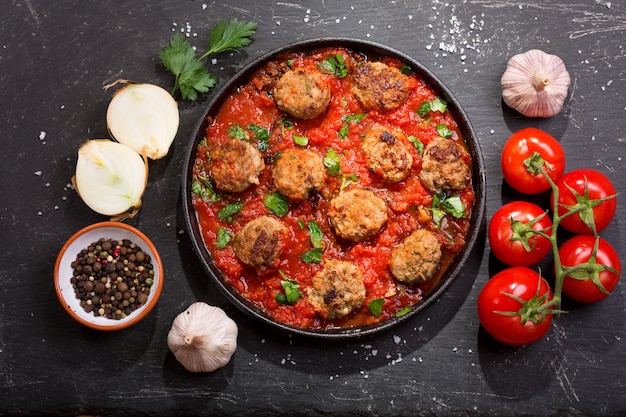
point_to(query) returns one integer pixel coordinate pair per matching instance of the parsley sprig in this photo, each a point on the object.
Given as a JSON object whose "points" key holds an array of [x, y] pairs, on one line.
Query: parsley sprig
{"points": [[191, 76]]}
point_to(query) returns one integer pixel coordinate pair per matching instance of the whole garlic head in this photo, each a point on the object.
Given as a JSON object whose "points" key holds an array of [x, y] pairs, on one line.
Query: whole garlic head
{"points": [[535, 83], [203, 338]]}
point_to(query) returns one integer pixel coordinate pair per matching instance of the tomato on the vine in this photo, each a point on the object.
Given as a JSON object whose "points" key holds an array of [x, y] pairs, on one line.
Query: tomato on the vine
{"points": [[591, 190], [595, 280], [513, 233], [512, 306], [524, 152]]}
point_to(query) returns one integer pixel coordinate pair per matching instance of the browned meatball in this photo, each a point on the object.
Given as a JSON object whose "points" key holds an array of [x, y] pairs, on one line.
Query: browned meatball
{"points": [[260, 242], [235, 165], [337, 290], [302, 93], [379, 86], [387, 154], [416, 258], [357, 214], [443, 166], [298, 173]]}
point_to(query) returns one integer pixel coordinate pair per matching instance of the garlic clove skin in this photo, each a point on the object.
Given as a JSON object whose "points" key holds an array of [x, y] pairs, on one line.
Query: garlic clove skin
{"points": [[203, 338], [143, 117], [535, 83], [110, 178]]}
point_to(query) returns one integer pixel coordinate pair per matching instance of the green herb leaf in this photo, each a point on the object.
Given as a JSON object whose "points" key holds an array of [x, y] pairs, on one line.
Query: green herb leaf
{"points": [[376, 306], [316, 235], [454, 206], [345, 128], [334, 64], [418, 144], [223, 238], [348, 179], [406, 310], [313, 256], [331, 162], [237, 132], [191, 76], [230, 36], [277, 203], [300, 140], [291, 288], [202, 187], [434, 105], [226, 214], [262, 136], [443, 131]]}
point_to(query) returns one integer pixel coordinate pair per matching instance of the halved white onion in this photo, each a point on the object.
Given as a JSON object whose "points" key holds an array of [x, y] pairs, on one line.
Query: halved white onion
{"points": [[143, 117], [110, 177]]}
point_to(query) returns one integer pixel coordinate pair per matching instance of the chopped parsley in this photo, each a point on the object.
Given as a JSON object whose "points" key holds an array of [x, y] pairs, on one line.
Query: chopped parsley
{"points": [[237, 132], [227, 212], [313, 256], [345, 128], [433, 105], [316, 236], [262, 136], [444, 132], [335, 65], [331, 162], [300, 140], [291, 290], [203, 188], [406, 310], [443, 205], [277, 203], [418, 144], [376, 306], [223, 238]]}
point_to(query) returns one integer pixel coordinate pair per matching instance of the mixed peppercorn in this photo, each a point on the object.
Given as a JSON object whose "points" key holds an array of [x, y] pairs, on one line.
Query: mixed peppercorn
{"points": [[112, 278]]}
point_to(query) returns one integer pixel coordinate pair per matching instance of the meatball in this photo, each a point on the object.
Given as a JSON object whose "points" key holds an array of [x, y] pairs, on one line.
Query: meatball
{"points": [[416, 258], [387, 154], [379, 86], [260, 242], [444, 167], [337, 290], [357, 214], [235, 165], [302, 93], [298, 173]]}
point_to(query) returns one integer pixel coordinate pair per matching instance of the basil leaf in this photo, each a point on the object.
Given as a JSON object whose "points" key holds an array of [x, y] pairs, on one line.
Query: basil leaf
{"points": [[454, 206], [418, 144], [262, 135]]}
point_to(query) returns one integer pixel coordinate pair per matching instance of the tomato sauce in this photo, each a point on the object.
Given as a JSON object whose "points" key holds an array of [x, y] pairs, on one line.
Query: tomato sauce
{"points": [[408, 201]]}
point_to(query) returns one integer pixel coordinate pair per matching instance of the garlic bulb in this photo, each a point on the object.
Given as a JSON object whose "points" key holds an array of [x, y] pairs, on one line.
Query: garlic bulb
{"points": [[110, 178], [535, 83], [203, 338], [144, 117]]}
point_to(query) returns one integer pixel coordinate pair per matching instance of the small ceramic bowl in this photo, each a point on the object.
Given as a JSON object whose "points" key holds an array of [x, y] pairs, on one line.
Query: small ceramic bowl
{"points": [[63, 273]]}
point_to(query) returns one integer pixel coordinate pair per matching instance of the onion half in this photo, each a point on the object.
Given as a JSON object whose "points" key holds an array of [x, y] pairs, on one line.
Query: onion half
{"points": [[110, 178], [143, 117]]}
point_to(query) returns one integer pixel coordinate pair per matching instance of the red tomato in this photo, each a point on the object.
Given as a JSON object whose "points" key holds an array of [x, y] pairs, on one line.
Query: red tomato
{"points": [[586, 285], [526, 145], [591, 188], [511, 237], [511, 306]]}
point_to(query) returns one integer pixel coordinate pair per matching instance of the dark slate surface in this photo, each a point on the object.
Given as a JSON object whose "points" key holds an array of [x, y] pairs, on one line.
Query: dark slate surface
{"points": [[55, 57]]}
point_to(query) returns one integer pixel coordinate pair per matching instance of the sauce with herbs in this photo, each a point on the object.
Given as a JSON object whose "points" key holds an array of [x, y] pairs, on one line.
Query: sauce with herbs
{"points": [[251, 114]]}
